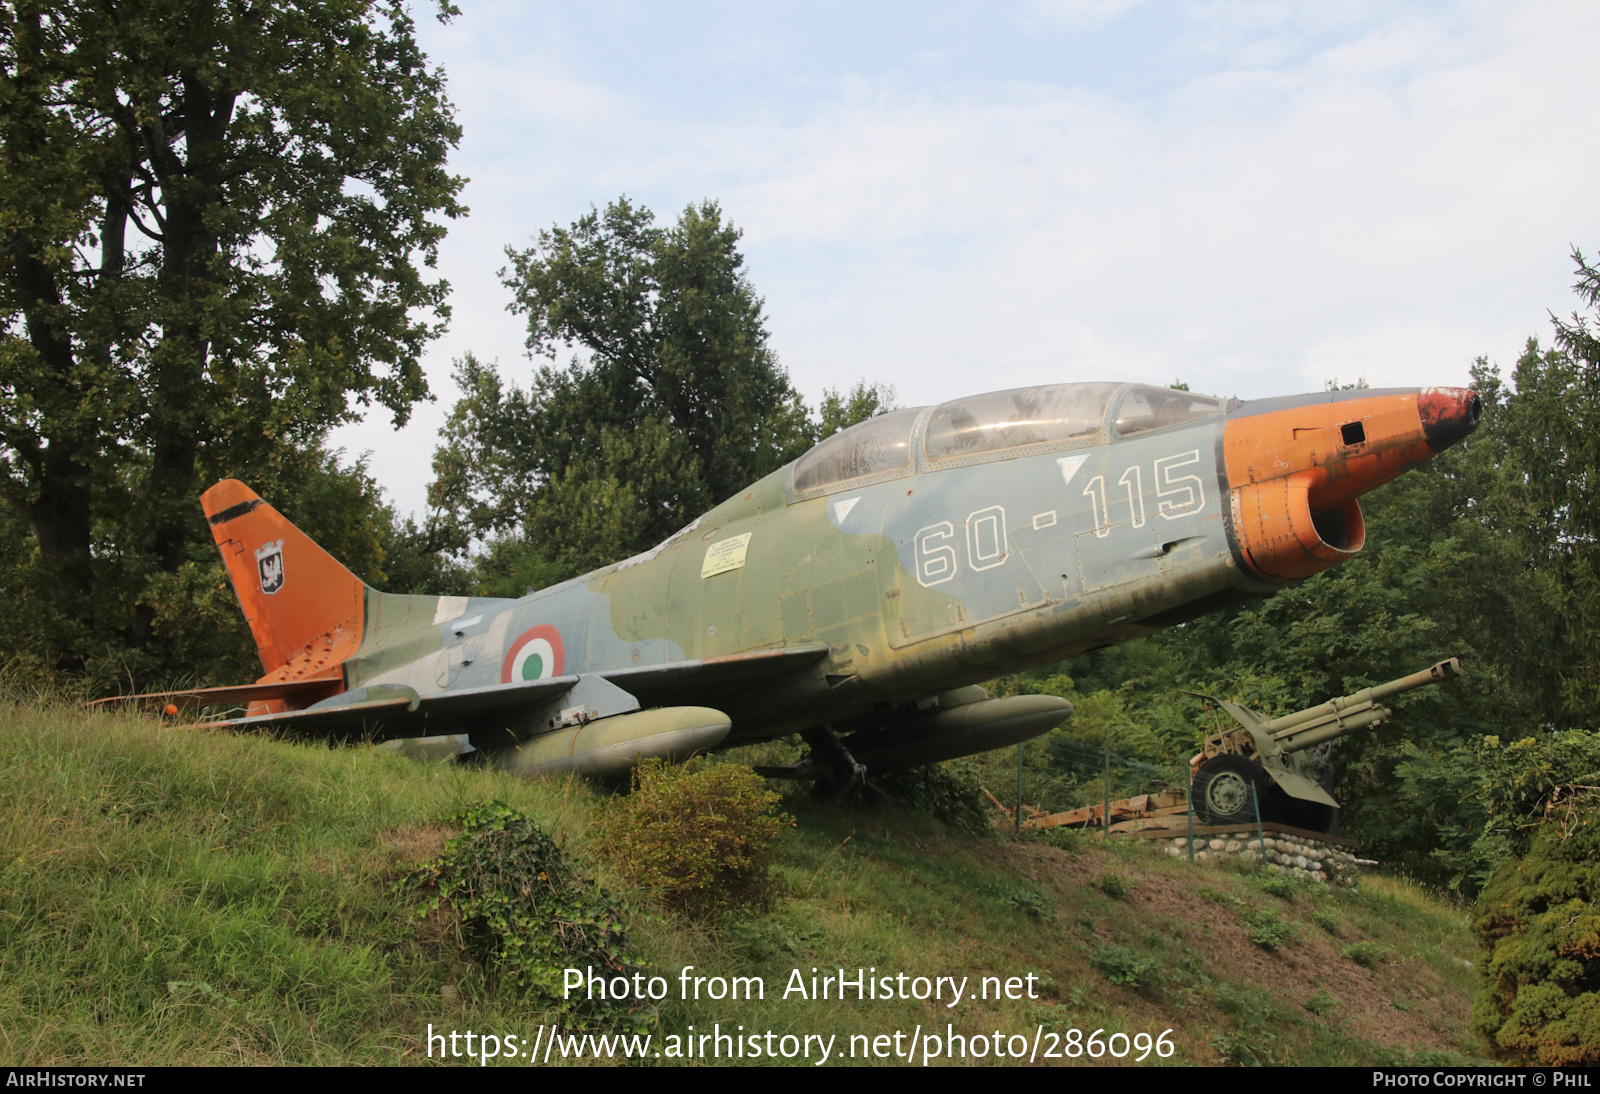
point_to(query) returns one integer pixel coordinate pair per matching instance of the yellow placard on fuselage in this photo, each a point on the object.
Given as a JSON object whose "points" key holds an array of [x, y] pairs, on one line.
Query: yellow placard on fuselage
{"points": [[725, 555]]}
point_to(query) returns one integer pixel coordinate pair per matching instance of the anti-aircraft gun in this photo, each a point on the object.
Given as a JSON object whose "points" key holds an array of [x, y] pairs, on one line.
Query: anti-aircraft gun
{"points": [[1267, 760]]}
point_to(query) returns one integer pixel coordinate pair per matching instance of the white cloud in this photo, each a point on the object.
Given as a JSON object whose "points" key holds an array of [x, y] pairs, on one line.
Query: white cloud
{"points": [[1081, 14]]}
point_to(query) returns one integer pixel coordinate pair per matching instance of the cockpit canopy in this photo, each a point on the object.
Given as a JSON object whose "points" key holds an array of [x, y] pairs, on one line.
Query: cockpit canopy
{"points": [[868, 448], [1146, 408], [1018, 418], [997, 421]]}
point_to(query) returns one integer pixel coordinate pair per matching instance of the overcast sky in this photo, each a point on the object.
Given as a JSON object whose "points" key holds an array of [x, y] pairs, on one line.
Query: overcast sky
{"points": [[1252, 197]]}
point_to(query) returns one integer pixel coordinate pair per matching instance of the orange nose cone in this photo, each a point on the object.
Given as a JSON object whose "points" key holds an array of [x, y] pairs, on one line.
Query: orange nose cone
{"points": [[1295, 468]]}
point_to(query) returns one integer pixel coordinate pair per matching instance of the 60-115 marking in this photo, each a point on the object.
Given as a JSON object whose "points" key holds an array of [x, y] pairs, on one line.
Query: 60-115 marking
{"points": [[1177, 495]]}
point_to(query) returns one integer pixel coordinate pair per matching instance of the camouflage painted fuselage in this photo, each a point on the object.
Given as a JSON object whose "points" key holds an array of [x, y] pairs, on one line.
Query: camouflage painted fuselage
{"points": [[942, 573]]}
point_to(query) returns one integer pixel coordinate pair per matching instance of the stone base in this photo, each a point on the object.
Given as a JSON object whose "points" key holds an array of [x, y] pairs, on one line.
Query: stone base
{"points": [[1317, 860]]}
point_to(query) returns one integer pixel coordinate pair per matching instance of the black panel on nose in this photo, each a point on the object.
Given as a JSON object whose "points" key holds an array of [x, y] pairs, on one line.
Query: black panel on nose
{"points": [[1448, 414]]}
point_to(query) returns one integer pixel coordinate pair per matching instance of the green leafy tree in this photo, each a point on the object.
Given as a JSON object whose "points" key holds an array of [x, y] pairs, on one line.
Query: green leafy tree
{"points": [[673, 401], [861, 402], [1556, 443], [215, 224], [1538, 1000]]}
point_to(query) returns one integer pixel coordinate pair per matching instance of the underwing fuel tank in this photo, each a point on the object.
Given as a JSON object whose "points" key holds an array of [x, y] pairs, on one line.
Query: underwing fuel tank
{"points": [[969, 723], [960, 731], [609, 748]]}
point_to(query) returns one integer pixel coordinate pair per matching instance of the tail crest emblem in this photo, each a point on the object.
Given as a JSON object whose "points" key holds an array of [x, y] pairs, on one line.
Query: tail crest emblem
{"points": [[269, 566]]}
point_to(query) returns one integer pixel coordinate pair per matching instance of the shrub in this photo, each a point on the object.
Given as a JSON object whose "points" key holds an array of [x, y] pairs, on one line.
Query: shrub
{"points": [[523, 911], [1217, 896], [701, 838], [1121, 965], [1114, 886], [1539, 994], [1241, 1049], [1321, 1004], [1327, 921], [1061, 838], [1267, 930], [1369, 955], [1280, 885], [1029, 901]]}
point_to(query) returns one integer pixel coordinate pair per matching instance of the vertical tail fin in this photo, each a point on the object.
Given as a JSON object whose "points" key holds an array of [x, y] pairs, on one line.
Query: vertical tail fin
{"points": [[305, 610]]}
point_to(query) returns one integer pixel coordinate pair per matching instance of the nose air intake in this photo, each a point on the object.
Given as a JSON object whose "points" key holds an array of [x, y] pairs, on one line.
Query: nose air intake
{"points": [[1283, 537]]}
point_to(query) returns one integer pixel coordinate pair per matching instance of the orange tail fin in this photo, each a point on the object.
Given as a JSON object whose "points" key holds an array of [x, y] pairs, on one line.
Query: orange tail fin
{"points": [[305, 610]]}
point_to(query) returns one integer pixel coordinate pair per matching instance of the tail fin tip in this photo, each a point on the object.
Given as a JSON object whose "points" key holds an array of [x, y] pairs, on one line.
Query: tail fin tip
{"points": [[305, 610], [227, 500]]}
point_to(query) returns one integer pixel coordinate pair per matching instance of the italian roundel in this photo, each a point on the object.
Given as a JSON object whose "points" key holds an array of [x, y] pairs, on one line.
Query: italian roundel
{"points": [[535, 655]]}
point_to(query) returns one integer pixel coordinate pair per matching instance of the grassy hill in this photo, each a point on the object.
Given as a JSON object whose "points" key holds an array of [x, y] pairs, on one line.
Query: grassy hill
{"points": [[197, 898]]}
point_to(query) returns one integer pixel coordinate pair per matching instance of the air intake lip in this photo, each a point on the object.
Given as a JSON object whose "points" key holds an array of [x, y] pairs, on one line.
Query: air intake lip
{"points": [[1283, 539]]}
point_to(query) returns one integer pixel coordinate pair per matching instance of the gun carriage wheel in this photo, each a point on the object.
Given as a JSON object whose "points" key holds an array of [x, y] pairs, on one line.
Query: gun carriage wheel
{"points": [[1225, 790]]}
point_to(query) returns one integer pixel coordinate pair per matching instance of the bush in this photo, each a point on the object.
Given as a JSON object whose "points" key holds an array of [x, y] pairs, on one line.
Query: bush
{"points": [[701, 838], [1121, 965], [1061, 838], [1539, 997], [1321, 1004], [1267, 930], [1369, 955], [1114, 886], [524, 912], [1217, 896], [1029, 901], [1281, 885]]}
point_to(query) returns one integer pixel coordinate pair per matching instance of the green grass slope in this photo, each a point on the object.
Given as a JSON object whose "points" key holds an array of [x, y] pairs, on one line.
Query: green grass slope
{"points": [[173, 897]]}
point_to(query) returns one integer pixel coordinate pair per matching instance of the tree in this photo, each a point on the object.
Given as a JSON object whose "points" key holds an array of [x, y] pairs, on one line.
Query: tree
{"points": [[673, 401], [215, 220], [1538, 998], [1557, 445], [861, 402]]}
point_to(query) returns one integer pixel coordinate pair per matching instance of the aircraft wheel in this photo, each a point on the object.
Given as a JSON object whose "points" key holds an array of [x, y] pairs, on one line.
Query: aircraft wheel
{"points": [[1225, 788]]}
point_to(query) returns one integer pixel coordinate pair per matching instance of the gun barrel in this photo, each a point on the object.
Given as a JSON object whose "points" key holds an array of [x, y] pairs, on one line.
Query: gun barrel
{"points": [[1445, 670], [1308, 728], [1310, 735]]}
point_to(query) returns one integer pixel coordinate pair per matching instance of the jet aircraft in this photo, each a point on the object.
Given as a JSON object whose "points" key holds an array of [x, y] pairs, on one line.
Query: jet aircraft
{"points": [[856, 596]]}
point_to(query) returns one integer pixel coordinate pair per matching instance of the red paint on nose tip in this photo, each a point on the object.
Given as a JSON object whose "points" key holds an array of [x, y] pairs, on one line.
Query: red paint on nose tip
{"points": [[1448, 414]]}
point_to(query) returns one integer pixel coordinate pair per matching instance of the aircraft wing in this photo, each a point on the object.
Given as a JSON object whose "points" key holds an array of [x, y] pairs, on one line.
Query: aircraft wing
{"points": [[387, 711], [714, 679]]}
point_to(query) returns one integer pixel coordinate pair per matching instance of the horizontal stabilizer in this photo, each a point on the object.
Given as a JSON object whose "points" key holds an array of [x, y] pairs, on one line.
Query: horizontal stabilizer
{"points": [[386, 711], [298, 692], [376, 716]]}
